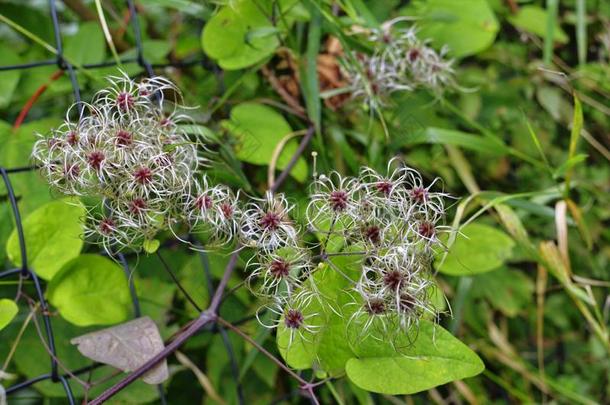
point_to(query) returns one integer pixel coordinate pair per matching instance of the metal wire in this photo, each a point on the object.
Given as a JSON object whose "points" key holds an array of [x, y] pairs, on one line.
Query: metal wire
{"points": [[25, 271]]}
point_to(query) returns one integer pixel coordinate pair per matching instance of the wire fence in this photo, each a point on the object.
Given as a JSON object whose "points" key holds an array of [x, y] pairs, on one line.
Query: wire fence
{"points": [[26, 272]]}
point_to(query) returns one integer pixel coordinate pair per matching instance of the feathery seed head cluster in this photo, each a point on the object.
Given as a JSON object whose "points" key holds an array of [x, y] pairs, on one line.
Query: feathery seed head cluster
{"points": [[266, 224], [400, 62], [392, 222], [213, 212], [281, 265], [129, 150]]}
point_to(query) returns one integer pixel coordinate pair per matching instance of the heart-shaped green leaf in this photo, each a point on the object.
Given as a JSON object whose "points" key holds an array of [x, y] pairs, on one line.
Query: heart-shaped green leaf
{"points": [[328, 346], [533, 19], [467, 27], [53, 236], [242, 34], [91, 290], [8, 310], [433, 357], [477, 249], [259, 129]]}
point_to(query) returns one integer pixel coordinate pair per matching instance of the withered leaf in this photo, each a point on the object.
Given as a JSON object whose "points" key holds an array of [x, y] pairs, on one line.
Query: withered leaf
{"points": [[126, 346]]}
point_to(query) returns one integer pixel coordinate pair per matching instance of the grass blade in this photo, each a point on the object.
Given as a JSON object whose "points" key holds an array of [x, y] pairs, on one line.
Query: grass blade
{"points": [[551, 18], [577, 122], [309, 69], [458, 138], [581, 31], [104, 24]]}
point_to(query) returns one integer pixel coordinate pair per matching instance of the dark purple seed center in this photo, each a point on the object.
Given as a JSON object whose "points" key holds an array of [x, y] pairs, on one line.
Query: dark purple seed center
{"points": [[106, 226], [72, 171], [203, 202], [427, 230], [143, 175], [375, 306], [393, 279], [72, 138], [419, 194], [338, 200], [372, 233], [95, 159], [293, 319], [123, 138], [124, 101], [137, 205], [227, 210], [413, 55], [279, 268], [271, 221], [385, 187]]}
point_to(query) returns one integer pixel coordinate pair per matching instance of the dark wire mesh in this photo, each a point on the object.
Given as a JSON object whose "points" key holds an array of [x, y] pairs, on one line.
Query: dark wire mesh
{"points": [[26, 272]]}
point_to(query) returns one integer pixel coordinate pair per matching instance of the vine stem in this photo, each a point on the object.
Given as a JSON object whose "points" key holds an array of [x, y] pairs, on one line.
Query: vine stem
{"points": [[207, 316], [293, 160], [210, 315]]}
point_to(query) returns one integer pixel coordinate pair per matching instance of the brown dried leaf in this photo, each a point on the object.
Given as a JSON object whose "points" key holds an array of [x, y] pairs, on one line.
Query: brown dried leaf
{"points": [[126, 346]]}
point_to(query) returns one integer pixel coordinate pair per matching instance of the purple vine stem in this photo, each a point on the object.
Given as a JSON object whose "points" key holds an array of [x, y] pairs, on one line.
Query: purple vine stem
{"points": [[210, 315]]}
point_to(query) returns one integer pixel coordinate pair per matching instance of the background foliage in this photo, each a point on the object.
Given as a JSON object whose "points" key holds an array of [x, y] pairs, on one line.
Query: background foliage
{"points": [[524, 144]]}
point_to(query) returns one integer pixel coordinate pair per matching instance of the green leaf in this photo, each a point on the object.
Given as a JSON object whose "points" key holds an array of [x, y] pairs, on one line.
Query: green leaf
{"points": [[477, 249], [15, 151], [328, 348], [569, 164], [17, 145], [91, 290], [554, 102], [53, 236], [509, 291], [577, 124], [8, 79], [30, 18], [87, 45], [331, 347], [155, 51], [242, 34], [533, 19], [435, 357], [467, 27], [8, 310], [6, 227], [150, 246], [192, 274], [551, 25], [452, 137], [300, 352], [258, 130], [32, 359]]}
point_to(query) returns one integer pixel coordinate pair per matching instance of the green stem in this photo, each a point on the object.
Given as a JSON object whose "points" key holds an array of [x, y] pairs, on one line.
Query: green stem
{"points": [[28, 34], [104, 24], [35, 38]]}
